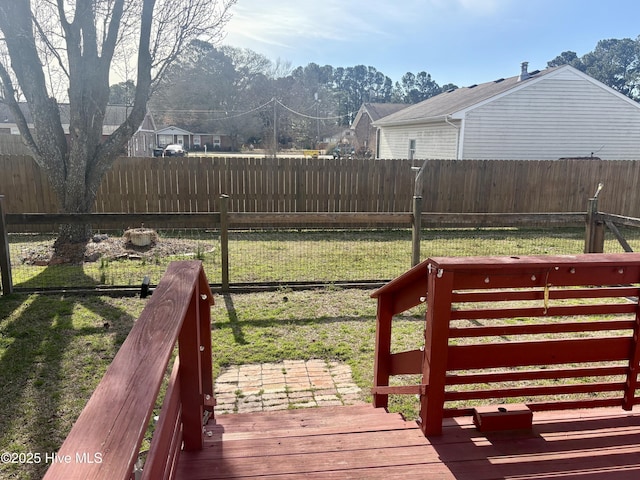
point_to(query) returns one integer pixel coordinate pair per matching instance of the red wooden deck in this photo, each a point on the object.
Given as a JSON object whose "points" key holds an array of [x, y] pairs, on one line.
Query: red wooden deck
{"points": [[366, 443], [363, 442]]}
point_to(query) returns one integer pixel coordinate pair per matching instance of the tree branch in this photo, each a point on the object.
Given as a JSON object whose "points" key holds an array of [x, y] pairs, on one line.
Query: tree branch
{"points": [[50, 46], [10, 101]]}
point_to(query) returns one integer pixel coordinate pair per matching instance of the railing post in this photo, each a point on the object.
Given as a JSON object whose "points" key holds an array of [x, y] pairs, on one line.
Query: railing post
{"points": [[594, 231], [631, 383], [191, 391], [382, 356], [206, 300], [5, 257], [224, 241], [416, 236], [434, 366]]}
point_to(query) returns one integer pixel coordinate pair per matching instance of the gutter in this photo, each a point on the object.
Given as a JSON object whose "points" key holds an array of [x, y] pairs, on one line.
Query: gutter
{"points": [[415, 121]]}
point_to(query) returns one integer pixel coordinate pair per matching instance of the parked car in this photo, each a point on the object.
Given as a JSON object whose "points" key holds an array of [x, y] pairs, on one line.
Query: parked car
{"points": [[174, 150]]}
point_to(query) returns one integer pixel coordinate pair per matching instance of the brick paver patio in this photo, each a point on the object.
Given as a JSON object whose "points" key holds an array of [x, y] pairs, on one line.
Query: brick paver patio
{"points": [[284, 385]]}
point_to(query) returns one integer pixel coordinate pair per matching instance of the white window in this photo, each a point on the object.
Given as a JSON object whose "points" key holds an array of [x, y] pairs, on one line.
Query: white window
{"points": [[196, 140], [164, 140], [412, 149]]}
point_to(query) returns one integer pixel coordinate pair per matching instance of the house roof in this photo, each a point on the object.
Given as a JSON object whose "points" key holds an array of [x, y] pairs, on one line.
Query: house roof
{"points": [[7, 117], [173, 130], [377, 110], [115, 114], [193, 122], [452, 101]]}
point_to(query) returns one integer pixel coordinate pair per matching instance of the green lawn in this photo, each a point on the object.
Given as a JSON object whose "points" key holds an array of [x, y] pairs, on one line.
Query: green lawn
{"points": [[288, 255], [53, 352]]}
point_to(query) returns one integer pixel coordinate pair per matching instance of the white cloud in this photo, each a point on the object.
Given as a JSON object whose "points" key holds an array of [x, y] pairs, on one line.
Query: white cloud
{"points": [[279, 22], [334, 30]]}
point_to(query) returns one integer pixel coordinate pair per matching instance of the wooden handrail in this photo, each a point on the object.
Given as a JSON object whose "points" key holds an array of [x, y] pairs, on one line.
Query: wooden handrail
{"points": [[104, 442]]}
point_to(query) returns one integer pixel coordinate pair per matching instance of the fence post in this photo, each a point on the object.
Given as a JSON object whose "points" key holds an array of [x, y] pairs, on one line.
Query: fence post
{"points": [[5, 257], [224, 240], [594, 231], [415, 236]]}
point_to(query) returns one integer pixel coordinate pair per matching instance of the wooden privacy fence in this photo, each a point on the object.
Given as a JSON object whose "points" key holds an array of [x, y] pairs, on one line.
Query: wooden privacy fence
{"points": [[194, 184], [104, 442], [552, 330]]}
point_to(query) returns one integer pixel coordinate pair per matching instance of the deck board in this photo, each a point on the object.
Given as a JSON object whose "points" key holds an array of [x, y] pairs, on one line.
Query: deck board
{"points": [[361, 442]]}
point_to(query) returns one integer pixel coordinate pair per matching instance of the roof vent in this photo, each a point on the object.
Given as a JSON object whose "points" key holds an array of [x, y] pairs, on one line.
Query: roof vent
{"points": [[498, 80], [473, 86], [524, 75]]}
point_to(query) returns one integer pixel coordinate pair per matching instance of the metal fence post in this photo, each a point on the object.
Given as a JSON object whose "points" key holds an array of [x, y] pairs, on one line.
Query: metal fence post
{"points": [[594, 231], [5, 257], [415, 235], [224, 240]]}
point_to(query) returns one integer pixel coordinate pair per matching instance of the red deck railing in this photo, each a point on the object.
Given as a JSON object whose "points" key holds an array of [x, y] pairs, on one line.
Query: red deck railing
{"points": [[104, 442], [560, 332]]}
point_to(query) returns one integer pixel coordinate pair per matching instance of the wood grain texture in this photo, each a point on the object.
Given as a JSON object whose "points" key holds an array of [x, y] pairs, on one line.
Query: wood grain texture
{"points": [[191, 184], [365, 443]]}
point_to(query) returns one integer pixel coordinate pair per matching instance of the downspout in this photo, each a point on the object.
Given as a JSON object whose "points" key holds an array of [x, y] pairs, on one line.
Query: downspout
{"points": [[459, 136], [446, 119]]}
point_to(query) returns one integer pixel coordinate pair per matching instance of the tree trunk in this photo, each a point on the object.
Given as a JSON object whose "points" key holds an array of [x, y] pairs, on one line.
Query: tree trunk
{"points": [[71, 243], [76, 161]]}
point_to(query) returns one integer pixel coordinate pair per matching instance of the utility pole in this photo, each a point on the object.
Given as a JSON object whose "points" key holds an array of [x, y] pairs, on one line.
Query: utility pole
{"points": [[275, 135], [315, 96]]}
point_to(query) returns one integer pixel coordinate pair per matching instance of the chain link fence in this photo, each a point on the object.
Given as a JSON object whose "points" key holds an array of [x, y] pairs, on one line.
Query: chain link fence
{"points": [[271, 257]]}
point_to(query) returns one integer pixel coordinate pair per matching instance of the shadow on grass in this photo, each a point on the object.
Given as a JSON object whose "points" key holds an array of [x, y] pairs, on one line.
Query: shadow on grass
{"points": [[234, 323], [54, 350]]}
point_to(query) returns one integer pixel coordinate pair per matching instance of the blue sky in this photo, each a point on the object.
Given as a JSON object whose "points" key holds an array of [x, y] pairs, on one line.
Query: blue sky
{"points": [[456, 41]]}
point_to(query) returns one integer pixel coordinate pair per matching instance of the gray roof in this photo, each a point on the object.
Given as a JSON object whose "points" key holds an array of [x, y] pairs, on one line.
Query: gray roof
{"points": [[115, 114], [452, 101], [378, 110]]}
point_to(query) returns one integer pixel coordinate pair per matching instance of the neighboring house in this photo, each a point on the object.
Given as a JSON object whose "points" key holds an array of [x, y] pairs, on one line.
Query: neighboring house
{"points": [[346, 136], [550, 114], [140, 145], [143, 141], [192, 140], [365, 133]]}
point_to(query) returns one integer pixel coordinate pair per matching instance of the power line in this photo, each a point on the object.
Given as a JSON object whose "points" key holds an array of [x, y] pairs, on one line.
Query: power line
{"points": [[227, 117], [253, 110], [311, 117]]}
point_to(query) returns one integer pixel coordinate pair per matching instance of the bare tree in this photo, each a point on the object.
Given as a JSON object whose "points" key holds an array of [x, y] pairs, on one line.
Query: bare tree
{"points": [[69, 47]]}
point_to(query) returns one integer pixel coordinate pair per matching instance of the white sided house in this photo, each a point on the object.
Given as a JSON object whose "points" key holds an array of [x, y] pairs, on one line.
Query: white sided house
{"points": [[556, 113]]}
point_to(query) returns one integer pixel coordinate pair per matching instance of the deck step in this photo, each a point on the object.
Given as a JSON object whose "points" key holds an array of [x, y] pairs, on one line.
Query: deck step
{"points": [[316, 421]]}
